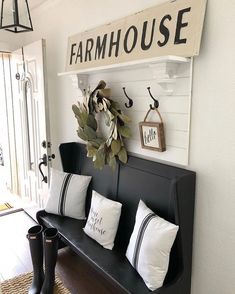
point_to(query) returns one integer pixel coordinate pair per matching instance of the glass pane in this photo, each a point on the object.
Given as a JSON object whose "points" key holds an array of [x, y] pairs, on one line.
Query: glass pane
{"points": [[8, 13], [30, 124], [18, 29], [23, 14], [1, 156]]}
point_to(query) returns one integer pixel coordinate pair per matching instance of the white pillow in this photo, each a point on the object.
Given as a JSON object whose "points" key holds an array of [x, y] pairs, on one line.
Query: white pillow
{"points": [[103, 220], [150, 244], [67, 194]]}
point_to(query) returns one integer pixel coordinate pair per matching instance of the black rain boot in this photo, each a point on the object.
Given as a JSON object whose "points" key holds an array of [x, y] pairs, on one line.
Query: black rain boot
{"points": [[50, 257], [36, 249]]}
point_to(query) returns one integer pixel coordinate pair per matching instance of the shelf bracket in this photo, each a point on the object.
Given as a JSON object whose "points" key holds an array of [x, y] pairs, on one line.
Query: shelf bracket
{"points": [[164, 73], [164, 70], [80, 81], [167, 85]]}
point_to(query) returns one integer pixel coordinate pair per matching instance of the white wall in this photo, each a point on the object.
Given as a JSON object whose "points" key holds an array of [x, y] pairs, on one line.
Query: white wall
{"points": [[213, 120], [9, 41], [213, 153]]}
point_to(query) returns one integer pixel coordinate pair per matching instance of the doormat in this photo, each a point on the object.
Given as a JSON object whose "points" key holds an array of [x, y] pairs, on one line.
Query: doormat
{"points": [[21, 284], [5, 206]]}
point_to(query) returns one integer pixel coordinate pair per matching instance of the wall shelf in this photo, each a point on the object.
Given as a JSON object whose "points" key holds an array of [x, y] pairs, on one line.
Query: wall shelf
{"points": [[170, 80], [164, 70]]}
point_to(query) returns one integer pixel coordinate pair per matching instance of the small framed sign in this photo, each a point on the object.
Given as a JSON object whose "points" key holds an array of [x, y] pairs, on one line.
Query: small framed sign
{"points": [[152, 134]]}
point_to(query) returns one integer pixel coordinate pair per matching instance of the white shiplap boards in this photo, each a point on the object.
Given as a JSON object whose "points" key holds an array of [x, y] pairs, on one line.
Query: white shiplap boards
{"points": [[174, 107]]}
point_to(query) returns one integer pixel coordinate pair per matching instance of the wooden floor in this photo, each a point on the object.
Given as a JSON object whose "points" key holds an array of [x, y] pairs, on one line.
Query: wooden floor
{"points": [[15, 258]]}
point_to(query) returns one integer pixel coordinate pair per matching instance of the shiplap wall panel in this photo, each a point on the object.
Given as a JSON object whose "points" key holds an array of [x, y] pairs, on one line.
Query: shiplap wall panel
{"points": [[174, 107], [173, 138], [172, 154], [138, 88], [175, 104], [173, 121]]}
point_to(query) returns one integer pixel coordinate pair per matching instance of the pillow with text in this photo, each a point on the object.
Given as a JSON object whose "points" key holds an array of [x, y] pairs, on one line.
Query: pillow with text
{"points": [[103, 219]]}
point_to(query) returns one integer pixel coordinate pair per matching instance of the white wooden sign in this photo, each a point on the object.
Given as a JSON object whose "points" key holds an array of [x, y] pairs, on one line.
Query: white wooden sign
{"points": [[172, 28], [150, 136]]}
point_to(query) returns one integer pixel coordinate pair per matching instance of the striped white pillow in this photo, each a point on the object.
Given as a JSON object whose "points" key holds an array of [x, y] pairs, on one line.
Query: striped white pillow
{"points": [[67, 194], [150, 245]]}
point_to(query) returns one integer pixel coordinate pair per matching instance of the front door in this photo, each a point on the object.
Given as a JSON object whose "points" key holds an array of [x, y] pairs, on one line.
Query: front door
{"points": [[31, 121]]}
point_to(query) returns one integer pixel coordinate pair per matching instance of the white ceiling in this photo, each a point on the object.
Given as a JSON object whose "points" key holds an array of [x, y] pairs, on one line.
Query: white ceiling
{"points": [[32, 3], [35, 3]]}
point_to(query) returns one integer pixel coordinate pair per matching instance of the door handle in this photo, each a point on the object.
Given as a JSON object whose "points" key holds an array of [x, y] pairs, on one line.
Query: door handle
{"points": [[43, 162]]}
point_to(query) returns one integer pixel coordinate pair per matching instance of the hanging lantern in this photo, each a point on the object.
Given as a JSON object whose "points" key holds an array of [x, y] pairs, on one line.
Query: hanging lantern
{"points": [[15, 16]]}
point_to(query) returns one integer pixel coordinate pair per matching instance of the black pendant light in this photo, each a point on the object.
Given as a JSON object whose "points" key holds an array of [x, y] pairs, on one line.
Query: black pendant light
{"points": [[15, 16]]}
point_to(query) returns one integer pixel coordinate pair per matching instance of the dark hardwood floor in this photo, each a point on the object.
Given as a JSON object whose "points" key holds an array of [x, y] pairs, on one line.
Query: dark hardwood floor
{"points": [[15, 258]]}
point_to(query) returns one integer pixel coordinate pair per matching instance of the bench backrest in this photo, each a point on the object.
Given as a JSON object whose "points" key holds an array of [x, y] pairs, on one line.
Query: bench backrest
{"points": [[169, 191]]}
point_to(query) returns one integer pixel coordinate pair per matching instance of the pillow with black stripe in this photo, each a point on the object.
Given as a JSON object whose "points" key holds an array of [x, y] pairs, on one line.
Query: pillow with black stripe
{"points": [[150, 245], [67, 194]]}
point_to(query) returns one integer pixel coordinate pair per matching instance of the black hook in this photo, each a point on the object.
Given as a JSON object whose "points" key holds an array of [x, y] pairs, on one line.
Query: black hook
{"points": [[130, 102], [156, 103]]}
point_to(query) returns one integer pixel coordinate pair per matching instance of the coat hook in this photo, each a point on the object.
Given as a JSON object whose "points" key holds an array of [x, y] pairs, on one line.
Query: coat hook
{"points": [[130, 101], [156, 103]]}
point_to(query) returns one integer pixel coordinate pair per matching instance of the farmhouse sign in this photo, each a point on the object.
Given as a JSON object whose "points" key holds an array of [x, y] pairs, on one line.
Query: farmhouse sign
{"points": [[172, 28]]}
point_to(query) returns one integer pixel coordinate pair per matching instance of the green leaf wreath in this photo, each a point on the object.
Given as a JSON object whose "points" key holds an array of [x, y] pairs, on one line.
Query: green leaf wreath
{"points": [[102, 150]]}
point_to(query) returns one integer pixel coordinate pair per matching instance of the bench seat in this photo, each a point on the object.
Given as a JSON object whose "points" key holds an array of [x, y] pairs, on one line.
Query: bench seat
{"points": [[167, 190], [108, 262]]}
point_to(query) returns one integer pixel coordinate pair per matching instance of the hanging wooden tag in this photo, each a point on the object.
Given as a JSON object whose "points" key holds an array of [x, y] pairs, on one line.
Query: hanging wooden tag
{"points": [[152, 133]]}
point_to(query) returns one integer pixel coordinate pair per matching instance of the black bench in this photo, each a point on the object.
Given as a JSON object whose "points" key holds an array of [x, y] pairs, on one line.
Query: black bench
{"points": [[167, 190]]}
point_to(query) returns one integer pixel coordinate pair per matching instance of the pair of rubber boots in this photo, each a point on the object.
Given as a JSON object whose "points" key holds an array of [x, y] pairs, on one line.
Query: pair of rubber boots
{"points": [[43, 242]]}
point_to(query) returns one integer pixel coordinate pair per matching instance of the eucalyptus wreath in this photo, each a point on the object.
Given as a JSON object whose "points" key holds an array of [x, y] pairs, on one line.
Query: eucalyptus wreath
{"points": [[102, 150]]}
